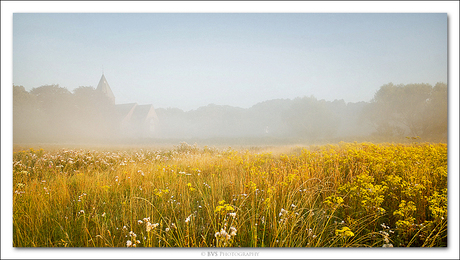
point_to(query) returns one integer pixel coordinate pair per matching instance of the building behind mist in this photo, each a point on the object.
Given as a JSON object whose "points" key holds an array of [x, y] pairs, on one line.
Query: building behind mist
{"points": [[132, 120], [51, 113]]}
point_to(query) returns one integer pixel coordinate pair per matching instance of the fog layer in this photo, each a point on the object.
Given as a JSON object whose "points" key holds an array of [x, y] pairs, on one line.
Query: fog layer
{"points": [[52, 114]]}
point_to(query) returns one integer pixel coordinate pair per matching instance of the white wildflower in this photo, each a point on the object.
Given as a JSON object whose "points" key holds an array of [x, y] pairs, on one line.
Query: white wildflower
{"points": [[132, 234], [232, 231], [151, 226]]}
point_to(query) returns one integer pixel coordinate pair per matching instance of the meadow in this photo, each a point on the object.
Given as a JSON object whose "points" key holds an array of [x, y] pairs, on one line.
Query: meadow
{"points": [[338, 195]]}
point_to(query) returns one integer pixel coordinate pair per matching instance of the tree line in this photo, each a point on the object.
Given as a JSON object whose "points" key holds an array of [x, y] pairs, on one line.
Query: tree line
{"points": [[51, 114]]}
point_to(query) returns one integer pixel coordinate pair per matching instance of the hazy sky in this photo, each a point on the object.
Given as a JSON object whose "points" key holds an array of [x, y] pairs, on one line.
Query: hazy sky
{"points": [[239, 59]]}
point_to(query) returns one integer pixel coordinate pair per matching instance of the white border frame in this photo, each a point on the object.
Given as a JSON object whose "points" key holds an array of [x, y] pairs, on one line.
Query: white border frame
{"points": [[10, 7]]}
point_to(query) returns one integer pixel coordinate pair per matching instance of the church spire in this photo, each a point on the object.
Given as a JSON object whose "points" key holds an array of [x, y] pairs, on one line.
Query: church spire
{"points": [[104, 87]]}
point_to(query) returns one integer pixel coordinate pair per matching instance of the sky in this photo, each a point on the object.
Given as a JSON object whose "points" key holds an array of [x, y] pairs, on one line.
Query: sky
{"points": [[188, 60]]}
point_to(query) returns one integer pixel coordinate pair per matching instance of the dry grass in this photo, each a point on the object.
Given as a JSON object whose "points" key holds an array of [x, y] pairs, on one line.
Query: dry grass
{"points": [[345, 195]]}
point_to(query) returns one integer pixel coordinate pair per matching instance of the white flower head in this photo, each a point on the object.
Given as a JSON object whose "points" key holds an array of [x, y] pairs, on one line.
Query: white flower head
{"points": [[283, 211], [151, 226], [232, 231], [132, 234]]}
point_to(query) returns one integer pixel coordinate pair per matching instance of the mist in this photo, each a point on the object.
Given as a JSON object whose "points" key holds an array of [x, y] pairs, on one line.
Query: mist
{"points": [[53, 114]]}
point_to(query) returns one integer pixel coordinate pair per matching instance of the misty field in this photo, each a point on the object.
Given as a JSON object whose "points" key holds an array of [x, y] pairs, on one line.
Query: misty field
{"points": [[342, 195]]}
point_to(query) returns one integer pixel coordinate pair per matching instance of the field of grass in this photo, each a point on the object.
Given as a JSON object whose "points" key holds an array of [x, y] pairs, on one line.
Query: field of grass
{"points": [[343, 195]]}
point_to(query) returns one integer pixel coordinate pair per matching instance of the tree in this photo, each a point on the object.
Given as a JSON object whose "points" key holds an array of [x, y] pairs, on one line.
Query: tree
{"points": [[311, 118], [414, 109], [26, 115], [94, 113], [436, 122], [57, 109]]}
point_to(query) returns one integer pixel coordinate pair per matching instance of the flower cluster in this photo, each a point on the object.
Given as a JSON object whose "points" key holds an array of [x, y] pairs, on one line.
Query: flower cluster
{"points": [[223, 207], [134, 239], [223, 237], [189, 185], [344, 232], [149, 226]]}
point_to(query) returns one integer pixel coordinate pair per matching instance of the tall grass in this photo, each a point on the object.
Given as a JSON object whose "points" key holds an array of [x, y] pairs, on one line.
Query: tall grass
{"points": [[344, 195]]}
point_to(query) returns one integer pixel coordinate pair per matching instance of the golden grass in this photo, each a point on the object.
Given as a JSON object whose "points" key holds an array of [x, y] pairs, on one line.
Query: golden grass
{"points": [[344, 195]]}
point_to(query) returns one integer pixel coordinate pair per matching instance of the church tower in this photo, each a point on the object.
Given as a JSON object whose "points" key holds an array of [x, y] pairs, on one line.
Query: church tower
{"points": [[104, 87]]}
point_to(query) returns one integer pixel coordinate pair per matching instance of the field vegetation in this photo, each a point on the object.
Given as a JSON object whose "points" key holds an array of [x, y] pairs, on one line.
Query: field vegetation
{"points": [[342, 195]]}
